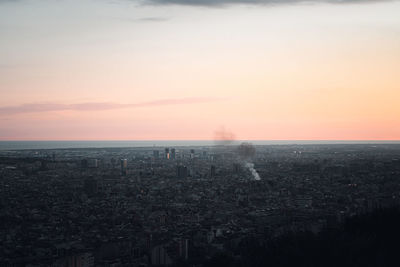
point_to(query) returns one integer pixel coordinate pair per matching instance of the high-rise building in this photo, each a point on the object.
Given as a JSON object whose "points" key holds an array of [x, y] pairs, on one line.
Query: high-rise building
{"points": [[173, 153], [124, 166], [212, 171], [167, 153], [183, 248], [181, 171], [192, 153], [156, 154]]}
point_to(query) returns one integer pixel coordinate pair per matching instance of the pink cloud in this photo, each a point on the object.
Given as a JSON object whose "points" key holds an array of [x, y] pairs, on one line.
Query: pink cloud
{"points": [[97, 106]]}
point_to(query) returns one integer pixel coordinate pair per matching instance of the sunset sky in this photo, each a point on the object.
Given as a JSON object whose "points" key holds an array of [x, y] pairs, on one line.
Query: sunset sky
{"points": [[176, 69]]}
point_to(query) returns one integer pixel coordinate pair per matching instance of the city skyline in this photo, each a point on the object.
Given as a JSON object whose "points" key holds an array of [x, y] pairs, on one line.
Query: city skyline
{"points": [[181, 70]]}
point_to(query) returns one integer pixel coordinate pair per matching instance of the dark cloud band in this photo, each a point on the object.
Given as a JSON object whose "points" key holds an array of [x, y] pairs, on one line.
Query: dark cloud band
{"points": [[232, 2], [252, 2]]}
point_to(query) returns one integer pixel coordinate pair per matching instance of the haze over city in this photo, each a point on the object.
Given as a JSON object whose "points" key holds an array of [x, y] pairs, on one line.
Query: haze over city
{"points": [[180, 70]]}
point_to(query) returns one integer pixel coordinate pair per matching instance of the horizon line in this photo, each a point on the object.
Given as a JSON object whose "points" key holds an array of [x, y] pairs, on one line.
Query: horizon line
{"points": [[188, 140]]}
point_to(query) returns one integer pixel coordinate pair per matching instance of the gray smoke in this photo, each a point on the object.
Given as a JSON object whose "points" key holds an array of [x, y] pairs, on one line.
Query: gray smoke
{"points": [[246, 153], [223, 137], [253, 171]]}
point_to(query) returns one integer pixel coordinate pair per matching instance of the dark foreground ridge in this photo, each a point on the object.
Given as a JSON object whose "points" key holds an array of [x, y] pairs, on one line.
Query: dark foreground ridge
{"points": [[363, 240]]}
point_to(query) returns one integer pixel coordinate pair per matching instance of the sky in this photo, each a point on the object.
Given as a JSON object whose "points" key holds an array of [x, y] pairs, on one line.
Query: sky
{"points": [[183, 69]]}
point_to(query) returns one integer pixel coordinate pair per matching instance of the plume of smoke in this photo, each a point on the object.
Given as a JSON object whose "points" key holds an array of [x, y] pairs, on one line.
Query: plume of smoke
{"points": [[253, 171], [246, 153], [223, 141], [223, 137]]}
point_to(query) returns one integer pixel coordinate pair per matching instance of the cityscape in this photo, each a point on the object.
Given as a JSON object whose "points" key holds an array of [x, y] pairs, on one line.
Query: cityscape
{"points": [[199, 133], [184, 206]]}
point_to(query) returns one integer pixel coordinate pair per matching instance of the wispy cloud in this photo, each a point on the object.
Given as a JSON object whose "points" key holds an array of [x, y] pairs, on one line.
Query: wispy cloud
{"points": [[98, 106], [142, 19], [153, 19]]}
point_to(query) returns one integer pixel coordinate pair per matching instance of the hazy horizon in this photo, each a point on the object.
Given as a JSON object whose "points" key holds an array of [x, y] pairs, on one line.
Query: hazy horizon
{"points": [[81, 144]]}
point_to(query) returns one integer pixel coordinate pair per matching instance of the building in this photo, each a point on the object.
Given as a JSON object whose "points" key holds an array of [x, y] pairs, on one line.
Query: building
{"points": [[212, 171], [84, 163], [90, 186], [236, 168], [159, 256], [124, 166], [181, 171], [173, 153], [183, 248], [93, 163], [167, 153]]}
